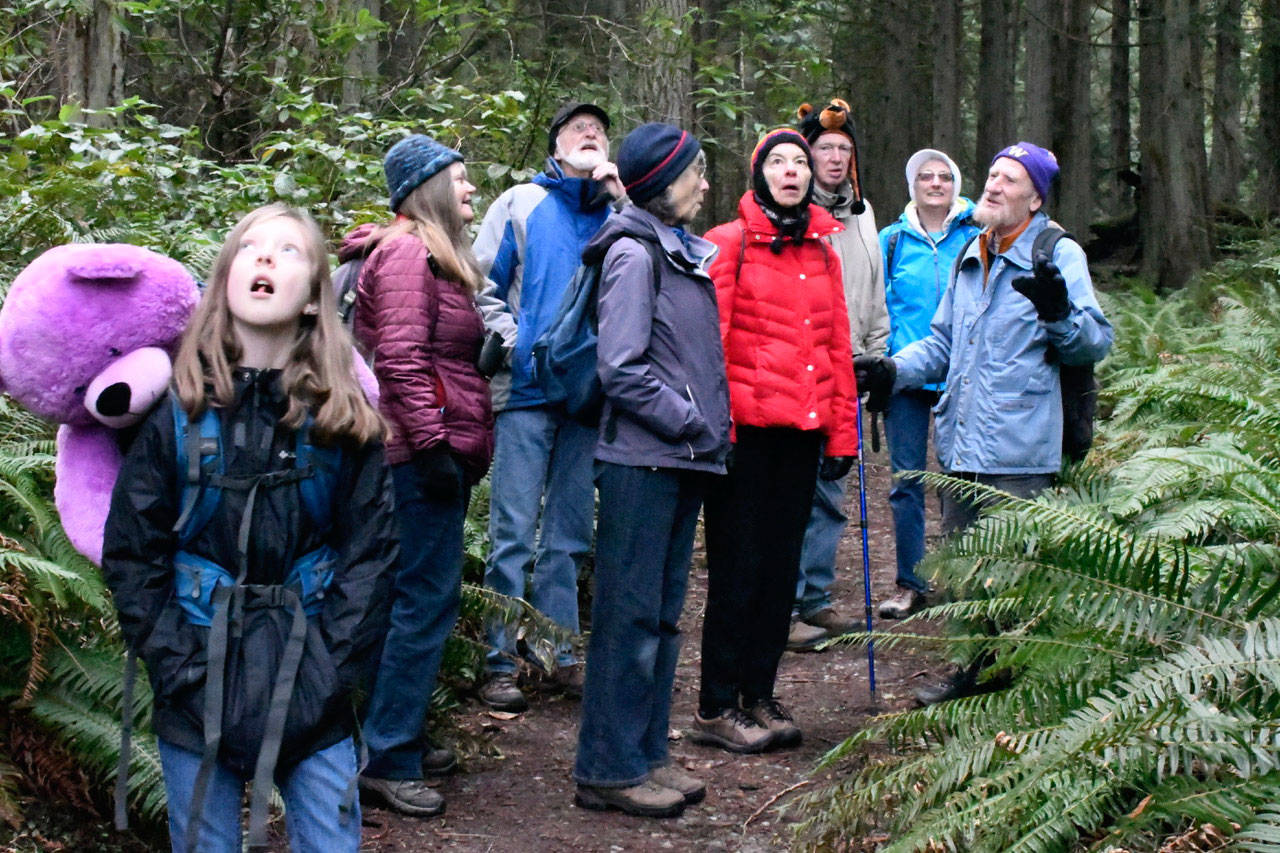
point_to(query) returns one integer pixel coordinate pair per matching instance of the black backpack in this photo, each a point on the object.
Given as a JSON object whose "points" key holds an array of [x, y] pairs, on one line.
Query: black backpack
{"points": [[1079, 385], [345, 277]]}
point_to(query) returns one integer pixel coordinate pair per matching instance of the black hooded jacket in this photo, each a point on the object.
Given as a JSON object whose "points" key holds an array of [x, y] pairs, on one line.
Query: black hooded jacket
{"points": [[343, 641]]}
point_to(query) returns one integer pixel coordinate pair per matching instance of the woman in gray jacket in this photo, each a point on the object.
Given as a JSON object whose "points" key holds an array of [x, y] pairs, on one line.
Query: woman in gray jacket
{"points": [[664, 432]]}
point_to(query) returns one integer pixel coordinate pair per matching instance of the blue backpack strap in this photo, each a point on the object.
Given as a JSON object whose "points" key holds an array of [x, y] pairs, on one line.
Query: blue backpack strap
{"points": [[318, 489], [199, 454]]}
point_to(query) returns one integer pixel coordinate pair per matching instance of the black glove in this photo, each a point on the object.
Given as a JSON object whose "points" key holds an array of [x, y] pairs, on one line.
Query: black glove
{"points": [[1046, 289], [493, 355], [834, 467], [440, 472], [875, 375]]}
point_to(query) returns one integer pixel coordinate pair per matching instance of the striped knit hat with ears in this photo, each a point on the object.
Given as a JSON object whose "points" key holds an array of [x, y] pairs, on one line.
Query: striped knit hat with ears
{"points": [[834, 116]]}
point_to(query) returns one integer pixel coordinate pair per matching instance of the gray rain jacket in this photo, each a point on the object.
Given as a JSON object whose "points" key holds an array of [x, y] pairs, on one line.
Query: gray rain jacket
{"points": [[660, 359]]}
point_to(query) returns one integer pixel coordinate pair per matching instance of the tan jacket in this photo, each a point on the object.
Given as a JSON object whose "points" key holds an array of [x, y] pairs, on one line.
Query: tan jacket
{"points": [[859, 249]]}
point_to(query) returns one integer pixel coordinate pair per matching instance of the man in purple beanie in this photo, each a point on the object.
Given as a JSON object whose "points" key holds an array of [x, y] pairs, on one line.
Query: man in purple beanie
{"points": [[1004, 326]]}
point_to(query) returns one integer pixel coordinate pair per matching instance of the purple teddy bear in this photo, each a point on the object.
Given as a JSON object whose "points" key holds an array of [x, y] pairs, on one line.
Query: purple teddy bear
{"points": [[87, 333]]}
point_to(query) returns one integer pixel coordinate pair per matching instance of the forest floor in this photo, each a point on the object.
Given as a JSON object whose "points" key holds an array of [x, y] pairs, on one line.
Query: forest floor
{"points": [[520, 797], [513, 790]]}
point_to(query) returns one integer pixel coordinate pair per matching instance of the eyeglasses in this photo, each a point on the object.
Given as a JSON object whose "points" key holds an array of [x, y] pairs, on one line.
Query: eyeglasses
{"points": [[927, 177], [582, 125], [828, 147]]}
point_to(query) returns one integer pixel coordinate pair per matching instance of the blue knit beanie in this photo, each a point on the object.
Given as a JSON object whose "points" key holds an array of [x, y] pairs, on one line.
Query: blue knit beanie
{"points": [[413, 160], [652, 156], [1039, 162]]}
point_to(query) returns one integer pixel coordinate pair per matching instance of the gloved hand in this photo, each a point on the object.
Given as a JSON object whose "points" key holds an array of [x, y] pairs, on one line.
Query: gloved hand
{"points": [[1046, 289], [440, 472], [875, 375], [834, 467]]}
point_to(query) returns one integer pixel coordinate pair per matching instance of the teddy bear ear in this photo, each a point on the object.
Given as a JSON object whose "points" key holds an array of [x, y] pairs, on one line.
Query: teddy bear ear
{"points": [[106, 271], [803, 110]]}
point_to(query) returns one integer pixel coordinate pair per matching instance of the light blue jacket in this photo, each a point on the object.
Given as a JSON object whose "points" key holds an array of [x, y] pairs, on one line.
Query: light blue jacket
{"points": [[1002, 410], [530, 245]]}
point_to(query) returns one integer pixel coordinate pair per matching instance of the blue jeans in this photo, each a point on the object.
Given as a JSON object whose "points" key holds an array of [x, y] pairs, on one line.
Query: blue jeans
{"points": [[322, 813], [424, 607], [906, 425], [821, 538], [647, 521], [540, 514]]}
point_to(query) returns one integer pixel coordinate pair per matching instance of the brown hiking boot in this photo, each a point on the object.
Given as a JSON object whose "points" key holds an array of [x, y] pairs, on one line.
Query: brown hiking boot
{"points": [[690, 787], [501, 694], [648, 799], [778, 720], [734, 730], [902, 605], [407, 796], [804, 637], [832, 621], [570, 678]]}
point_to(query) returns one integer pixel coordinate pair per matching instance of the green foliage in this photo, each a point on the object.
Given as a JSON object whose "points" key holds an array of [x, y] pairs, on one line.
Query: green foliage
{"points": [[1137, 608]]}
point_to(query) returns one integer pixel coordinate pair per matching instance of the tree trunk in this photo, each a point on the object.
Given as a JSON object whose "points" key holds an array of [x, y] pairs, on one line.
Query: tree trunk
{"points": [[360, 67], [92, 67], [1174, 218], [995, 82], [663, 82], [1118, 102], [946, 77], [1073, 118], [1043, 20], [1226, 166], [1268, 139]]}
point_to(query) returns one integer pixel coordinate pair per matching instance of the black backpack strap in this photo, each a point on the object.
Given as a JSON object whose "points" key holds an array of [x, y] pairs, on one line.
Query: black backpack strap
{"points": [[890, 253], [126, 740], [955, 268], [345, 279], [273, 732], [224, 599]]}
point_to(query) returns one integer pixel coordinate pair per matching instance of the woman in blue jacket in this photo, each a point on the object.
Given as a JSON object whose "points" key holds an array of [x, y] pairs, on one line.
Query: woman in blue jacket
{"points": [[919, 249]]}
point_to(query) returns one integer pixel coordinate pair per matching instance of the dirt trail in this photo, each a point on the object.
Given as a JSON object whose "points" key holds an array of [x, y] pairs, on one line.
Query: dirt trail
{"points": [[521, 799]]}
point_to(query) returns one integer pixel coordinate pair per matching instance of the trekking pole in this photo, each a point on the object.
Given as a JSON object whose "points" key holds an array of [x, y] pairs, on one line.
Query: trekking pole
{"points": [[866, 555]]}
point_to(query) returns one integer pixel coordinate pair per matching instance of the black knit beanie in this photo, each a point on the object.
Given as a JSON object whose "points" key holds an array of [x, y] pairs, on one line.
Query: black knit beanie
{"points": [[651, 157], [791, 222]]}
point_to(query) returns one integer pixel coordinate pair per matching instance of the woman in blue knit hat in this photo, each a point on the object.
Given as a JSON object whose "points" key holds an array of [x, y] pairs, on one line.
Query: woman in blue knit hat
{"points": [[415, 313], [664, 435]]}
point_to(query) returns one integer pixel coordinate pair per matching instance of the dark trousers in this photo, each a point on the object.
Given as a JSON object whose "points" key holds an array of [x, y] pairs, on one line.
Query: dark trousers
{"points": [[424, 607], [755, 519], [644, 538], [960, 511]]}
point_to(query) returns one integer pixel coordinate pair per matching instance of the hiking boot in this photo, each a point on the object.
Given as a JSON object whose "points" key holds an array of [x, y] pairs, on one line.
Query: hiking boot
{"points": [[902, 605], [778, 720], [693, 789], [438, 760], [804, 637], [407, 796], [831, 621], [734, 730], [570, 678], [959, 684], [648, 799], [501, 694]]}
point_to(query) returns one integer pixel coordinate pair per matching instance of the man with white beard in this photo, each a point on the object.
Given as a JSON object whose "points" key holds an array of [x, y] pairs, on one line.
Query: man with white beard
{"points": [[541, 492]]}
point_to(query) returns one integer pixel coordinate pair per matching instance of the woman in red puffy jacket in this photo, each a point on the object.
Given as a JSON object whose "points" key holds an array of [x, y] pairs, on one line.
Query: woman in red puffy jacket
{"points": [[790, 367], [415, 312]]}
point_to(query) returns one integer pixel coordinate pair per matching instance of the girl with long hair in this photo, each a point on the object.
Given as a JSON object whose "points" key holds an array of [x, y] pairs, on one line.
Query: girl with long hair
{"points": [[416, 315], [250, 547]]}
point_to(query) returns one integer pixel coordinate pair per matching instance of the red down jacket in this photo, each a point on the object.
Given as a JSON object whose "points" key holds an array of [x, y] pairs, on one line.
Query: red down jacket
{"points": [[424, 333], [785, 328]]}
